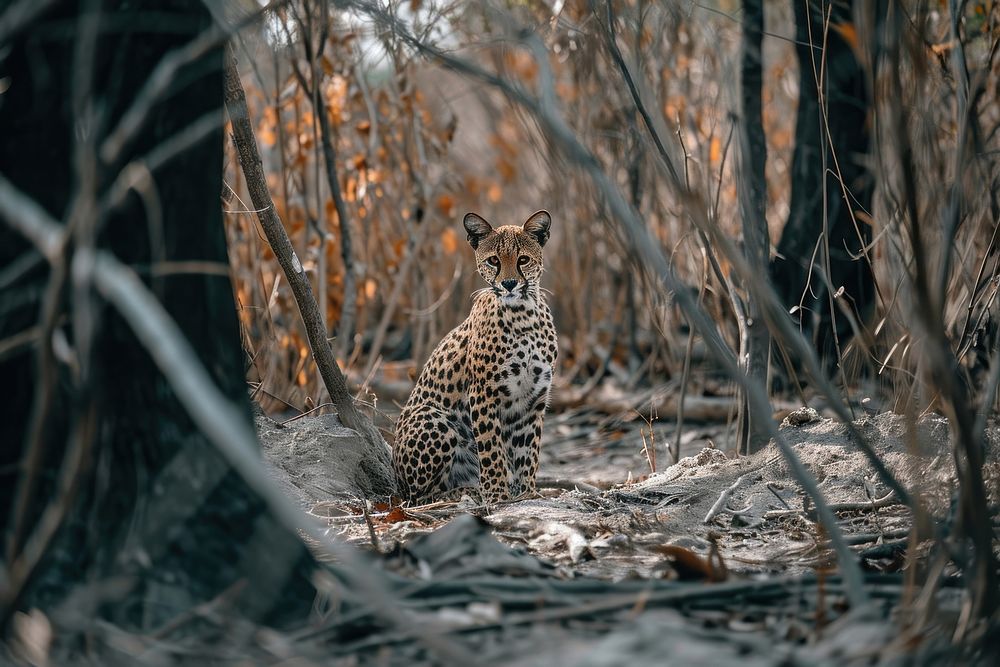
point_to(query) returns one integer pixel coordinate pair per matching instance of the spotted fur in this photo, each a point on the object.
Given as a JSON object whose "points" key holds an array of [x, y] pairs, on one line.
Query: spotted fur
{"points": [[474, 418]]}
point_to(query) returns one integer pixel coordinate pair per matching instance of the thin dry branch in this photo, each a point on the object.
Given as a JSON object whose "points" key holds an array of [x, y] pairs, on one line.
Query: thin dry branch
{"points": [[723, 499], [345, 327], [164, 76], [766, 299], [333, 377], [973, 523]]}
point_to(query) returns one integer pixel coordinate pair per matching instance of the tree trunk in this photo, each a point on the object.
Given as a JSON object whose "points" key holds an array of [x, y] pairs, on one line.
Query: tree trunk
{"points": [[823, 238], [755, 340], [151, 499]]}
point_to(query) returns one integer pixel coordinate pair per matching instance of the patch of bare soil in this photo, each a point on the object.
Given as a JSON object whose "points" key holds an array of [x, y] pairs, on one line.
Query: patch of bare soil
{"points": [[707, 515]]}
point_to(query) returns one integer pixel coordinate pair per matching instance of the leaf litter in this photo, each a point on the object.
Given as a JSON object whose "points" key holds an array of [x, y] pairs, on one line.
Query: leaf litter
{"points": [[743, 522]]}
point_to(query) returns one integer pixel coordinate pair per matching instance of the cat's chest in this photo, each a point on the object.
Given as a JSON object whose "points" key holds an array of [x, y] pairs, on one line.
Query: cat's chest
{"points": [[525, 374], [524, 366]]}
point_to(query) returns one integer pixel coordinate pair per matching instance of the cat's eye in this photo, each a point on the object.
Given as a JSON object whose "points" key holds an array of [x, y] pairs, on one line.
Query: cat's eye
{"points": [[493, 260], [522, 260]]}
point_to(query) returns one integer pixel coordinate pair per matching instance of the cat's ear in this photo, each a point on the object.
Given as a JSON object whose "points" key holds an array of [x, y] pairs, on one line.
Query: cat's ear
{"points": [[538, 226], [477, 227]]}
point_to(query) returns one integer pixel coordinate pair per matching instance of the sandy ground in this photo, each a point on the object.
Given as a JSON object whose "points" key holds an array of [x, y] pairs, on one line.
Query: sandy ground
{"points": [[704, 516]]}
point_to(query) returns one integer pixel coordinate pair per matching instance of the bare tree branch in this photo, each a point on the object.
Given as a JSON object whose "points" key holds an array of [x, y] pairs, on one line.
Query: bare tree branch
{"points": [[333, 377]]}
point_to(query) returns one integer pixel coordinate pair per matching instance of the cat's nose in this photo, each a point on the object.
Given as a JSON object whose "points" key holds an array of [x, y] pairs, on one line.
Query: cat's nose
{"points": [[509, 284]]}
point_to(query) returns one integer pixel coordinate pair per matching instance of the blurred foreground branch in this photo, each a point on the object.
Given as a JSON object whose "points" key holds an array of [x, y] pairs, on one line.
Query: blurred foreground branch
{"points": [[214, 415], [760, 291]]}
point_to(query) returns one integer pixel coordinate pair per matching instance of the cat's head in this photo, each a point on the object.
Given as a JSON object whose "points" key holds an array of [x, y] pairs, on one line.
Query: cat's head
{"points": [[509, 257]]}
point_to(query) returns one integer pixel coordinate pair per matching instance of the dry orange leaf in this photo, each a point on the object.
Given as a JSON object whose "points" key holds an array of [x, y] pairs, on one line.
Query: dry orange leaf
{"points": [[506, 170], [690, 566], [446, 205], [848, 33], [395, 516], [715, 150], [449, 241], [472, 186], [567, 92], [327, 65], [864, 217], [267, 136]]}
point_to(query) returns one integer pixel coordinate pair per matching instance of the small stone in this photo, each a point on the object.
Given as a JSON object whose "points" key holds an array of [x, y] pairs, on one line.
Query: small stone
{"points": [[801, 417]]}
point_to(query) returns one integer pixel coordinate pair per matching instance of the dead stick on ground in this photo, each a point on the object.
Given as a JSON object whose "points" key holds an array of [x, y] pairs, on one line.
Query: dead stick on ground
{"points": [[723, 499], [885, 501], [253, 171], [727, 493], [568, 485], [371, 527]]}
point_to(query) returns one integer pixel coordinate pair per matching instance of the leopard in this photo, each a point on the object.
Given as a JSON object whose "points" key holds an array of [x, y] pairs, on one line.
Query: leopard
{"points": [[473, 421]]}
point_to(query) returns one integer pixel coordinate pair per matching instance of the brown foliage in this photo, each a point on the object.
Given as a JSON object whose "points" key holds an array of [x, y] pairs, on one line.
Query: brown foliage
{"points": [[420, 146]]}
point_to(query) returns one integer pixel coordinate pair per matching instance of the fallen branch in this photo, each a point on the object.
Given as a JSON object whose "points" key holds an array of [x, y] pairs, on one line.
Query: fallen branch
{"points": [[568, 596], [663, 400], [885, 501], [885, 550], [864, 538], [724, 498], [568, 485], [696, 408]]}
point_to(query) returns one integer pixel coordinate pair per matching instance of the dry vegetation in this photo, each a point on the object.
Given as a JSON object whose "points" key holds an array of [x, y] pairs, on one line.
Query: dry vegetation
{"points": [[417, 145], [872, 508], [627, 117]]}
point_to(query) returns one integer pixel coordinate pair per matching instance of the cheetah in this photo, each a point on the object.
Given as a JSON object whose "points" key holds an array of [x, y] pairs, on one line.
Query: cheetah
{"points": [[474, 418]]}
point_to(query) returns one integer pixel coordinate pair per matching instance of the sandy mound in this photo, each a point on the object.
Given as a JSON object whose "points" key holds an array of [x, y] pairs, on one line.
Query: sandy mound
{"points": [[319, 459]]}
